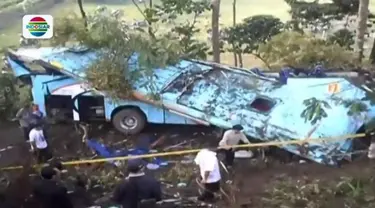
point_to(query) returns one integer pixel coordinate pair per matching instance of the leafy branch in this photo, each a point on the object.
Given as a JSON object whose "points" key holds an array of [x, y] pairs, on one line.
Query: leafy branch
{"points": [[355, 107], [315, 110], [300, 51], [112, 71], [247, 36], [125, 55]]}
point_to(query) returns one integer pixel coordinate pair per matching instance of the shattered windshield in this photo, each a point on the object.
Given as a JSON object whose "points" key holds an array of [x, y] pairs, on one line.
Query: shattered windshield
{"points": [[186, 78], [221, 92]]}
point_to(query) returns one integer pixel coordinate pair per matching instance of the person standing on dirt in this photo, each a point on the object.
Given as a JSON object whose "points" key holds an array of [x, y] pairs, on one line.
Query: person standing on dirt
{"points": [[37, 116], [24, 117], [138, 190], [49, 192], [36, 112], [230, 138], [38, 143], [210, 173]]}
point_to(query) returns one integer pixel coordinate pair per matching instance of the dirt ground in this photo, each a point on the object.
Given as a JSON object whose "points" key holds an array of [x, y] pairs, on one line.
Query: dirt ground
{"points": [[251, 176]]}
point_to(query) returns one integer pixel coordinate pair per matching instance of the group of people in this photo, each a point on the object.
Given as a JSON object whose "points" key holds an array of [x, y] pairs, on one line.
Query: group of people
{"points": [[141, 190], [138, 189], [32, 123]]}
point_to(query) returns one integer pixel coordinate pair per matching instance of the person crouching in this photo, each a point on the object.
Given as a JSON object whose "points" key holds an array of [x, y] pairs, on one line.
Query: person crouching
{"points": [[210, 173], [38, 143], [232, 137]]}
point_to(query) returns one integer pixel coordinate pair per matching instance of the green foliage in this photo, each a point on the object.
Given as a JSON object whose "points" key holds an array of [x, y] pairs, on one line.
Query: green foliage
{"points": [[12, 97], [347, 7], [343, 38], [356, 107], [167, 12], [300, 50], [312, 13], [118, 43], [253, 31], [345, 192], [7, 94], [180, 173], [315, 110]]}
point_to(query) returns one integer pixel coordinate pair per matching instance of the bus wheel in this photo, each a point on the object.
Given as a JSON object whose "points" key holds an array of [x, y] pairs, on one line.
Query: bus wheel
{"points": [[129, 121]]}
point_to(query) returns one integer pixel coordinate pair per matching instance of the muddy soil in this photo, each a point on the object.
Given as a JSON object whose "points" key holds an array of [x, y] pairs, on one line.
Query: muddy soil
{"points": [[252, 176]]}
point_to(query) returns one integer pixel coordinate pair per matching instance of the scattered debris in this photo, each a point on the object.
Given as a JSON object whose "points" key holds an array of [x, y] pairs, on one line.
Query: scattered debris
{"points": [[175, 146], [106, 152], [6, 148], [371, 151], [243, 154], [152, 166], [120, 142], [181, 185]]}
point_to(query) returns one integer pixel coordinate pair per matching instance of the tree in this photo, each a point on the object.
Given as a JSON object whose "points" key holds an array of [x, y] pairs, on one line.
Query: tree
{"points": [[215, 30], [319, 15], [346, 8], [116, 44], [252, 32], [361, 27], [234, 5], [372, 54], [312, 14], [83, 13], [343, 38], [301, 51], [166, 14], [12, 96]]}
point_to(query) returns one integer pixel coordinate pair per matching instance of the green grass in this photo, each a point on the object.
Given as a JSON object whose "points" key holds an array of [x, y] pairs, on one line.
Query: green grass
{"points": [[245, 8]]}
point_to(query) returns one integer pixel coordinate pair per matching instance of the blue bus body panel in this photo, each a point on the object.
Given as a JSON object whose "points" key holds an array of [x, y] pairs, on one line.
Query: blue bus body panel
{"points": [[219, 95]]}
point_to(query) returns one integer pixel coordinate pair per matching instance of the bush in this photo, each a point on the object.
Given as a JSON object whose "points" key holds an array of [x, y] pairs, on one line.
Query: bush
{"points": [[12, 96], [346, 192], [110, 73], [300, 50], [343, 37]]}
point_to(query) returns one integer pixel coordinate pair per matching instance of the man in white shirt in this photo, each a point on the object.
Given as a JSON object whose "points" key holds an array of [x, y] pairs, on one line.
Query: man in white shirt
{"points": [[210, 173], [39, 143], [232, 137]]}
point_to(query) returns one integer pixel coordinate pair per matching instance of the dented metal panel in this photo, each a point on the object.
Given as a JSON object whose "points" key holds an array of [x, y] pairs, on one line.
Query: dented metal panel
{"points": [[211, 94]]}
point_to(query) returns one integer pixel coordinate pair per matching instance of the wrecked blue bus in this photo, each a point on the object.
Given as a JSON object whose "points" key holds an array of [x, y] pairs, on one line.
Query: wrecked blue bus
{"points": [[196, 92]]}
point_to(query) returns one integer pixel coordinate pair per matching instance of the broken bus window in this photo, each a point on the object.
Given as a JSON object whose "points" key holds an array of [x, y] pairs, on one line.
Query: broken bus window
{"points": [[262, 104]]}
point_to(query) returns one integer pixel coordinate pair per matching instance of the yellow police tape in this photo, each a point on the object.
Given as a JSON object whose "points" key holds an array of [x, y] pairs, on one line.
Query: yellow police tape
{"points": [[184, 152]]}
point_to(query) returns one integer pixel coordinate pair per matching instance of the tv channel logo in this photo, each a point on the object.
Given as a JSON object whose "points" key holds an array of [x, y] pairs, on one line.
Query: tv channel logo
{"points": [[37, 26]]}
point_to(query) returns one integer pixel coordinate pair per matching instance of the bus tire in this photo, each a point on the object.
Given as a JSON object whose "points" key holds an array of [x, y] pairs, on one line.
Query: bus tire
{"points": [[129, 121]]}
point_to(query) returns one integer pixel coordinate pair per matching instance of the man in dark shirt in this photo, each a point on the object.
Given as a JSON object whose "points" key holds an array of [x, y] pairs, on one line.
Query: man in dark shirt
{"points": [[50, 193], [25, 119], [138, 190]]}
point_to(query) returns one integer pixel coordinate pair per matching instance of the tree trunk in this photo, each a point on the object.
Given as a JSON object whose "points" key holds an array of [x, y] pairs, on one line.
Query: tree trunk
{"points": [[361, 26], [235, 56], [346, 25], [150, 5], [215, 30], [234, 24], [372, 54], [240, 59], [83, 13]]}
